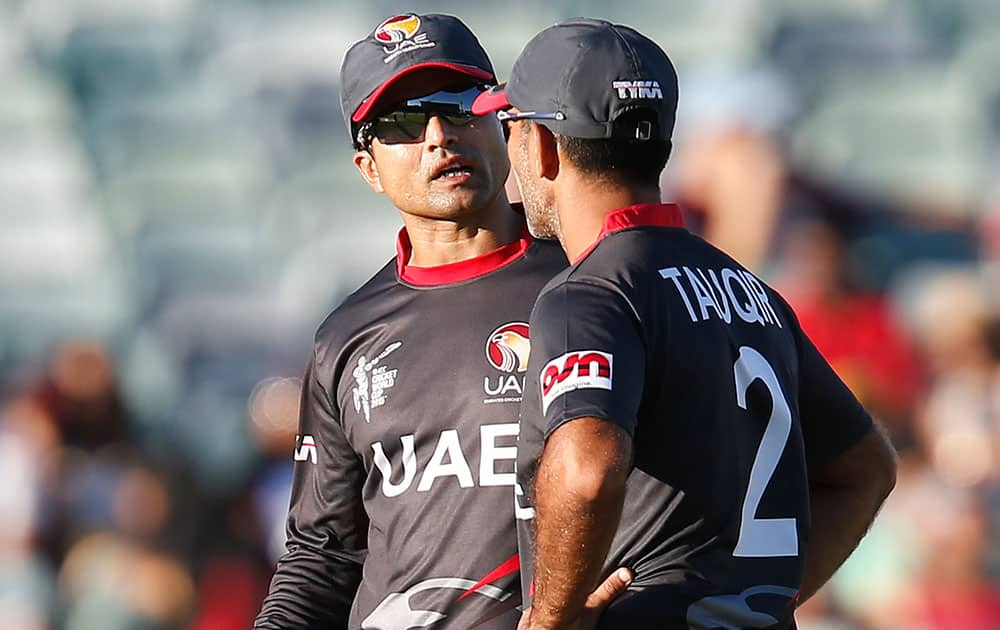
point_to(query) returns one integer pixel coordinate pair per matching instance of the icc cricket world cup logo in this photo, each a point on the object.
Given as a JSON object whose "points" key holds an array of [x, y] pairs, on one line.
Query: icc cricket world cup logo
{"points": [[371, 380]]}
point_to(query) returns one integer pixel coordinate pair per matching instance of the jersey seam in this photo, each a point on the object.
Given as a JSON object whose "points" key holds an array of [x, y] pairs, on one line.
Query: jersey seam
{"points": [[619, 294]]}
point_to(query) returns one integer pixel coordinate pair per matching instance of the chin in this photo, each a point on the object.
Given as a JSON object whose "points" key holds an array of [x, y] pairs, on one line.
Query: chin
{"points": [[454, 206], [542, 230], [540, 223], [460, 202]]}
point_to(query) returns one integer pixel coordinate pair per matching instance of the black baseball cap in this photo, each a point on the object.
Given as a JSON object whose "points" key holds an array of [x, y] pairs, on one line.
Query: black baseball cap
{"points": [[581, 77], [400, 46]]}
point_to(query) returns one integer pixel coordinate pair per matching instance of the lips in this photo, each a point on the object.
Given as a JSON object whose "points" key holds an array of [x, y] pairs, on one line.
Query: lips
{"points": [[452, 168]]}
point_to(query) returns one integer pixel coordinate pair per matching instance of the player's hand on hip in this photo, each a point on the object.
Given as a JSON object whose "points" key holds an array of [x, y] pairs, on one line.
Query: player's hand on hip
{"points": [[609, 590]]}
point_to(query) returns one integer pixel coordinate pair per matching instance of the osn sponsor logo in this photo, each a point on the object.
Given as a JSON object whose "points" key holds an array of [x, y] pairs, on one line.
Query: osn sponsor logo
{"points": [[582, 369]]}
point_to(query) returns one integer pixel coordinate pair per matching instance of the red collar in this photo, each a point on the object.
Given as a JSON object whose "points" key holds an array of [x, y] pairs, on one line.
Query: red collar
{"points": [[647, 214], [456, 271]]}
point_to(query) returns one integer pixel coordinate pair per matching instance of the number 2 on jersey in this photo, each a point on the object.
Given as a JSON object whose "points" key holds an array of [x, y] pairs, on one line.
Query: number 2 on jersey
{"points": [[764, 537]]}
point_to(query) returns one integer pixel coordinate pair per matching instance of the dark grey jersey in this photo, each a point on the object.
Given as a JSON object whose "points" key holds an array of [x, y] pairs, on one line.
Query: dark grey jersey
{"points": [[402, 501], [727, 402]]}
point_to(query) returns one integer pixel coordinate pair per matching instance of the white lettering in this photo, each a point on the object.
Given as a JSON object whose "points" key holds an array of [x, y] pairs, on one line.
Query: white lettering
{"points": [[491, 454], [724, 314], [456, 466], [513, 385], [504, 385], [701, 294], [748, 311], [761, 296], [752, 306], [449, 460], [674, 273], [385, 467], [307, 451], [720, 297], [637, 89], [492, 391]]}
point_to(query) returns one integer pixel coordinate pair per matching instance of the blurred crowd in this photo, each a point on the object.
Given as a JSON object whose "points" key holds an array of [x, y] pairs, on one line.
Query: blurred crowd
{"points": [[178, 212]]}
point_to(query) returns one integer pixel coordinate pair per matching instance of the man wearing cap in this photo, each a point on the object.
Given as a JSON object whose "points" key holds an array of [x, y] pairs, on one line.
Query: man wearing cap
{"points": [[402, 511], [676, 419]]}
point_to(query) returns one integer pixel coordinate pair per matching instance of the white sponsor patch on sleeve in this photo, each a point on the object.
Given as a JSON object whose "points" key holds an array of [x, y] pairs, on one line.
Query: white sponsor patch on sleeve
{"points": [[581, 369]]}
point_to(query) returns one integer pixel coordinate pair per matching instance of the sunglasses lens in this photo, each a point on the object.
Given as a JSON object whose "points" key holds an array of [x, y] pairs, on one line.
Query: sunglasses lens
{"points": [[407, 124], [396, 127]]}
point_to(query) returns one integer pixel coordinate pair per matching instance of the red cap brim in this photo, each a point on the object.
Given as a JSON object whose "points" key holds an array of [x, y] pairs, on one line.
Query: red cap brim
{"points": [[369, 103], [492, 100]]}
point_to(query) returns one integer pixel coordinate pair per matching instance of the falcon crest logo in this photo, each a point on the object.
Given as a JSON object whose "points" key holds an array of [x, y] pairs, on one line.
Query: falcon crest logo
{"points": [[507, 347], [398, 28], [400, 34], [507, 350]]}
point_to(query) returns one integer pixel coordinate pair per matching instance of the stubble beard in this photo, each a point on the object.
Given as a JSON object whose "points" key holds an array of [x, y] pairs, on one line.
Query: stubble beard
{"points": [[543, 220]]}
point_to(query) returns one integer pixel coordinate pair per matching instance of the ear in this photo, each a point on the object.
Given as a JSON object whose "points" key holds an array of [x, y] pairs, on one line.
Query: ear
{"points": [[365, 163], [546, 152]]}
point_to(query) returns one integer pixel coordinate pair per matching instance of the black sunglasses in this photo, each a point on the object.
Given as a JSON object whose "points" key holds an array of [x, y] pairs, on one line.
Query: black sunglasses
{"points": [[407, 121]]}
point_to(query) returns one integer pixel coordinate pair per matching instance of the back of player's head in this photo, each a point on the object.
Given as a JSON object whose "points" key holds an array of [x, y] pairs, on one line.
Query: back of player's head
{"points": [[623, 162], [404, 51], [607, 91]]}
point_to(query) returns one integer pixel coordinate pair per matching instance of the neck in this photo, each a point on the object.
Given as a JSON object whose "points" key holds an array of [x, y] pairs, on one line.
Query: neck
{"points": [[583, 202], [437, 242]]}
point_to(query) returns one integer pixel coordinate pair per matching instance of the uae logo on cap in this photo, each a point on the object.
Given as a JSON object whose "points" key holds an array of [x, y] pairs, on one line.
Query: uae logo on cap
{"points": [[507, 347], [399, 34]]}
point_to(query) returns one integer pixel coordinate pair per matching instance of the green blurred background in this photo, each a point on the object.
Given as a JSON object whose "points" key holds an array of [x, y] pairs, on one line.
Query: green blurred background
{"points": [[179, 211]]}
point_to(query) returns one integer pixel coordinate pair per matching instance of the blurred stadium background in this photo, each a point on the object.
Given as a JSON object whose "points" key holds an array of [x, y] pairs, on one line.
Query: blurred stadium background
{"points": [[178, 212]]}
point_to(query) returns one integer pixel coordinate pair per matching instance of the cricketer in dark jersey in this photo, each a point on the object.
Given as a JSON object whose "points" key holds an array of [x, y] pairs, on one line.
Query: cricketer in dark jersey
{"points": [[726, 400], [402, 509]]}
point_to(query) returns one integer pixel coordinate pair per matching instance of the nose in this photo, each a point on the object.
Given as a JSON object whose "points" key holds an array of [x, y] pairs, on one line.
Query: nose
{"points": [[439, 133]]}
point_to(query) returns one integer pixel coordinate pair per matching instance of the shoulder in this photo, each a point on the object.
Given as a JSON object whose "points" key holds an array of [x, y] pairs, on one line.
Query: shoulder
{"points": [[356, 311], [572, 292]]}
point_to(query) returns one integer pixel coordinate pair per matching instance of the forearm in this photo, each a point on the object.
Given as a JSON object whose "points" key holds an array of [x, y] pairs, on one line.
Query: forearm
{"points": [[843, 501], [840, 518], [311, 590], [578, 507], [844, 497]]}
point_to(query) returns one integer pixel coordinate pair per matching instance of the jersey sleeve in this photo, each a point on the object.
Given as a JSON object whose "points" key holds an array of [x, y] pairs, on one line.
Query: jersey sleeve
{"points": [[833, 419], [588, 357], [318, 575]]}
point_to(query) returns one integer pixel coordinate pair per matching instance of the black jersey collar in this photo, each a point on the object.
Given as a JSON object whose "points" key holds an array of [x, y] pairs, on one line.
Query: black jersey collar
{"points": [[650, 214], [456, 271]]}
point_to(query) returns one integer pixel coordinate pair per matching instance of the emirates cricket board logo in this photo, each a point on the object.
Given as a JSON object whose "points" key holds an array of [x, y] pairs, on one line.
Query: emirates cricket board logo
{"points": [[397, 28], [399, 34], [507, 347]]}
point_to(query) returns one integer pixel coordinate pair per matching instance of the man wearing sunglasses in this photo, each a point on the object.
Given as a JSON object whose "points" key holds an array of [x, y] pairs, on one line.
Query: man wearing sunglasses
{"points": [[676, 419], [402, 511]]}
